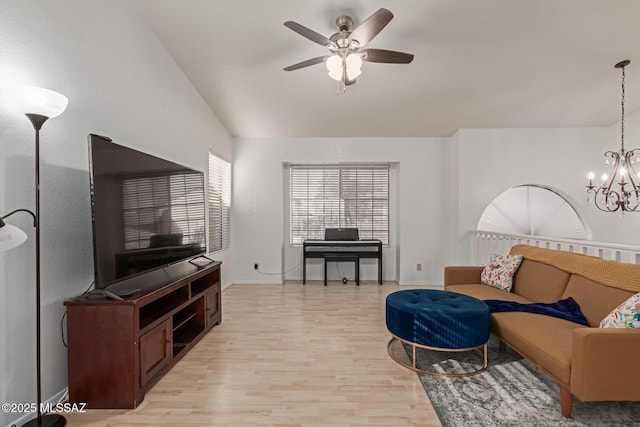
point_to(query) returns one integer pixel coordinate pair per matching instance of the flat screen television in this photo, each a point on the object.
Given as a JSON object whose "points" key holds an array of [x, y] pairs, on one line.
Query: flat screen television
{"points": [[147, 212]]}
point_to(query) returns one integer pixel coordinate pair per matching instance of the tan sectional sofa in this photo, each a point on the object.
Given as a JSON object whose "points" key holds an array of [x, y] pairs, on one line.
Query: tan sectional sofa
{"points": [[588, 362]]}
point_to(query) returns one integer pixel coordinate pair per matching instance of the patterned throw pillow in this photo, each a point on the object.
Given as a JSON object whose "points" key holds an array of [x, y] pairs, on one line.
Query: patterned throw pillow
{"points": [[499, 273], [626, 315]]}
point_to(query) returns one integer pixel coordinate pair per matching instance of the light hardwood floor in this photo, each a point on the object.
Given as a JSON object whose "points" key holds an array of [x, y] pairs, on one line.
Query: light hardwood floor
{"points": [[288, 355]]}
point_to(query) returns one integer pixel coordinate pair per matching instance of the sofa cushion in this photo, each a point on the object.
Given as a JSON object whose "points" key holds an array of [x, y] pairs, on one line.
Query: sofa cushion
{"points": [[596, 301], [484, 292], [544, 340], [626, 315], [620, 275], [499, 273], [540, 282]]}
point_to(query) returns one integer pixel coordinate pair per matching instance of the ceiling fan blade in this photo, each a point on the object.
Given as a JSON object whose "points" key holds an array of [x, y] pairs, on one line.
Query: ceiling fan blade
{"points": [[370, 27], [386, 56], [306, 63], [309, 34]]}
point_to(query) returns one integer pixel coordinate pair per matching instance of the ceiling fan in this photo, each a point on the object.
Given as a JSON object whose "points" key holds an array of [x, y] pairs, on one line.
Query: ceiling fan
{"points": [[346, 47]]}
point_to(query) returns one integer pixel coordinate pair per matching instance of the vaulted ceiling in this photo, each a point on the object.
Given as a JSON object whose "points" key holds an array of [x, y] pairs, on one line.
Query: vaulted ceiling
{"points": [[478, 64]]}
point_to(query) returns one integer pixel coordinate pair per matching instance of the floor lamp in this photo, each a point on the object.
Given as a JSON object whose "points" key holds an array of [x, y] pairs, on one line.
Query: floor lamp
{"points": [[38, 105]]}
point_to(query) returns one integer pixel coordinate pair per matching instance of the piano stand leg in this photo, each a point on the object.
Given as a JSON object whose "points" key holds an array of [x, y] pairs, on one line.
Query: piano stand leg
{"points": [[343, 258], [325, 271]]}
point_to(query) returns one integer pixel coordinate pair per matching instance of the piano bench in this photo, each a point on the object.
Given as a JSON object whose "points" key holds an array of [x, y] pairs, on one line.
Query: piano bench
{"points": [[342, 258]]}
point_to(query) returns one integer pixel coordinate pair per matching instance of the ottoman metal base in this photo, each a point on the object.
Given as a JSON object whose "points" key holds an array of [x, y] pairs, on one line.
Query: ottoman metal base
{"points": [[414, 368]]}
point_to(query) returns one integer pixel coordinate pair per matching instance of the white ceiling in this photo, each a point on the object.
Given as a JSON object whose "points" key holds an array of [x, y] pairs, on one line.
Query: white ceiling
{"points": [[478, 64]]}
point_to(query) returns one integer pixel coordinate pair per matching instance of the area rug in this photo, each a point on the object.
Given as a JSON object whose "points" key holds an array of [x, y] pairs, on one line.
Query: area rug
{"points": [[511, 392]]}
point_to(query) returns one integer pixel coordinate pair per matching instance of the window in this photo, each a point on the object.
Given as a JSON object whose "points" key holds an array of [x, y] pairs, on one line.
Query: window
{"points": [[219, 203], [534, 210], [166, 204], [335, 196]]}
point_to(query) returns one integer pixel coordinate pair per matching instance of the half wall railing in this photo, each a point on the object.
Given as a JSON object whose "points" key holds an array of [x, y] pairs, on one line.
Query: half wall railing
{"points": [[487, 243]]}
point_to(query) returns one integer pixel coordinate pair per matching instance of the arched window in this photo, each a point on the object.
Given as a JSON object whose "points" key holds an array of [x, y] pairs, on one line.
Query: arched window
{"points": [[534, 210]]}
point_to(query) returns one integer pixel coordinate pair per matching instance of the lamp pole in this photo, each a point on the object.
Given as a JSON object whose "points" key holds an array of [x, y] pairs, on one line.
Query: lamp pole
{"points": [[47, 420]]}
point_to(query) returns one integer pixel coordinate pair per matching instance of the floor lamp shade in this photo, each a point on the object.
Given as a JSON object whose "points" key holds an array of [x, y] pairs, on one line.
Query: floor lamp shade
{"points": [[36, 100], [10, 236]]}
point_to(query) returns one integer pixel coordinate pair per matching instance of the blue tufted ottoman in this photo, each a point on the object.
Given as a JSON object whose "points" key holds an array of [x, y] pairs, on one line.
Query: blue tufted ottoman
{"points": [[437, 320]]}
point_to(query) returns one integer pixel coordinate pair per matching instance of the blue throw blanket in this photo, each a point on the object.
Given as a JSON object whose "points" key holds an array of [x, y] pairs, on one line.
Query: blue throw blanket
{"points": [[566, 309]]}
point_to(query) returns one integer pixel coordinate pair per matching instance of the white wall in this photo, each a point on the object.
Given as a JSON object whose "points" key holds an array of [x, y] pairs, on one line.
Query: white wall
{"points": [[492, 160], [443, 186], [259, 208], [120, 83]]}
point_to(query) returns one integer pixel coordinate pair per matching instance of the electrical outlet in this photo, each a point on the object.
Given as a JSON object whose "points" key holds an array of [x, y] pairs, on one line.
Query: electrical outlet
{"points": [[418, 267], [255, 266]]}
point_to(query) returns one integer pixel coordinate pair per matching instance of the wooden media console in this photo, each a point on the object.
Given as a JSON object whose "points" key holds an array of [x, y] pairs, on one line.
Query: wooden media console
{"points": [[117, 350]]}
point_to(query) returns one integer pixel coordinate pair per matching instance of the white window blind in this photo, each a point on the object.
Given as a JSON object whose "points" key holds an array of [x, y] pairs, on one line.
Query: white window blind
{"points": [[219, 203], [163, 205], [336, 196]]}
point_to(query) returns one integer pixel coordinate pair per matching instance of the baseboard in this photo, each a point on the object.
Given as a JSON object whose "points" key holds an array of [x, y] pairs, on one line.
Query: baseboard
{"points": [[429, 285], [257, 282]]}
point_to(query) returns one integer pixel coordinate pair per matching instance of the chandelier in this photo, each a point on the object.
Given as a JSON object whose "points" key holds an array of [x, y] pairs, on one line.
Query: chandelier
{"points": [[620, 190]]}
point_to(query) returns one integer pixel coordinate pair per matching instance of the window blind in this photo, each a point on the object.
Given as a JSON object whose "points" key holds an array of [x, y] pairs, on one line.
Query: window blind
{"points": [[219, 203], [164, 204], [337, 196]]}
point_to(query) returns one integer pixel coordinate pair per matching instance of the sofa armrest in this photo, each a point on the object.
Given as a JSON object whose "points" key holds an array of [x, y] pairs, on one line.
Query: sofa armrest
{"points": [[604, 364], [459, 274]]}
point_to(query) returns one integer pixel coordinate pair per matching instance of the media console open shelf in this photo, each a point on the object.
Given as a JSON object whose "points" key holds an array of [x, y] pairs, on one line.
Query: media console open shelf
{"points": [[117, 350]]}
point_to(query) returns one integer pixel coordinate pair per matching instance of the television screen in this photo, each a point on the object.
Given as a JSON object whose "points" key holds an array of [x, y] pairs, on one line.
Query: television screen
{"points": [[147, 212]]}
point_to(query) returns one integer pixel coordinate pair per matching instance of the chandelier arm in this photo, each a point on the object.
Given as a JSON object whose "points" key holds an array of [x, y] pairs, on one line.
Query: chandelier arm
{"points": [[633, 174], [608, 183], [633, 177], [597, 199], [613, 199], [613, 155], [630, 207]]}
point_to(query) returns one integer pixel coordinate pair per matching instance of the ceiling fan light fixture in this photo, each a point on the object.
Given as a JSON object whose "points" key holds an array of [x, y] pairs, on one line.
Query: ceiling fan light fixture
{"points": [[352, 74], [334, 65], [336, 74], [353, 63]]}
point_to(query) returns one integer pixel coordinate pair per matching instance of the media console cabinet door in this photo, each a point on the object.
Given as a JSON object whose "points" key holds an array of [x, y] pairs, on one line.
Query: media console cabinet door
{"points": [[155, 351]]}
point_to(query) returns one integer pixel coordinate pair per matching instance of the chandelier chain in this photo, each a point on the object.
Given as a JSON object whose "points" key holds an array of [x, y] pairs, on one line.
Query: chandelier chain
{"points": [[622, 106]]}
